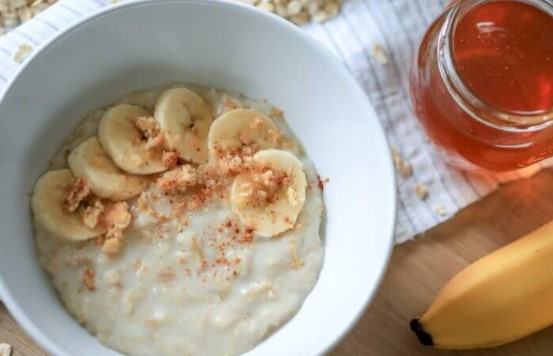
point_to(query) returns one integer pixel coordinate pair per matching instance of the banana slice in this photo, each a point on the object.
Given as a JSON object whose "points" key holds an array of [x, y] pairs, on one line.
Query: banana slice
{"points": [[126, 144], [47, 203], [106, 180], [184, 118], [270, 194], [241, 132]]}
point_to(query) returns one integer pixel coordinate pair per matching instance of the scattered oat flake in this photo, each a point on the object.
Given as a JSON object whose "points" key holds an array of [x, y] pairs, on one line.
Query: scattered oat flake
{"points": [[421, 190], [296, 11], [396, 156], [24, 14], [441, 210], [404, 168], [379, 53], [5, 349], [74, 195], [22, 52], [15, 12]]}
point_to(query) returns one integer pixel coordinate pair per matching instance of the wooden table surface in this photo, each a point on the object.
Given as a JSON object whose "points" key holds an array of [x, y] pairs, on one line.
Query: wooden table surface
{"points": [[417, 271]]}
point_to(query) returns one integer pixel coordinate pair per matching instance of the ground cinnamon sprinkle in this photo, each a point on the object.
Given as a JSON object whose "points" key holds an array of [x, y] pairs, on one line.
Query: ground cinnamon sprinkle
{"points": [[170, 158], [247, 237], [166, 275], [178, 180], [222, 261]]}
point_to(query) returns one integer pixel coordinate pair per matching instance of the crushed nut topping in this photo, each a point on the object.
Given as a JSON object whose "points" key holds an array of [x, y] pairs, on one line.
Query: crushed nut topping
{"points": [[263, 185], [91, 214], [155, 142], [76, 192], [88, 278], [113, 245], [148, 125], [144, 207], [231, 164], [178, 179], [117, 218], [151, 131]]}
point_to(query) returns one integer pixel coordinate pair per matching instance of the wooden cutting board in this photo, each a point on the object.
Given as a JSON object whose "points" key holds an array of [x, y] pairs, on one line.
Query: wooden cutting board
{"points": [[417, 271]]}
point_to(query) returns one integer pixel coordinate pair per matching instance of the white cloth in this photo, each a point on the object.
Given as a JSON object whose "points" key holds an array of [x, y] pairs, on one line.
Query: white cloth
{"points": [[396, 26]]}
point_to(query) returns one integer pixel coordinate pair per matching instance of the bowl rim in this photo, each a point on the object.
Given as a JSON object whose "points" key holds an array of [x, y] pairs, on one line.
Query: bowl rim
{"points": [[18, 313]]}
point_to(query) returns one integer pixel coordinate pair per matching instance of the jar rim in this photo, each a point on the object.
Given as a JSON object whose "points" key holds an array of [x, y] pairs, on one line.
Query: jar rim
{"points": [[498, 118]]}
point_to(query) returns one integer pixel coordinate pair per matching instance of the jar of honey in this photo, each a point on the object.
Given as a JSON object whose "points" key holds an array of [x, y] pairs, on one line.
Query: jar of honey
{"points": [[482, 83]]}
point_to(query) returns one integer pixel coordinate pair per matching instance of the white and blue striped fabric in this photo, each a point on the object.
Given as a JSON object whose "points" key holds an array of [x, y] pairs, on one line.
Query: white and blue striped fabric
{"points": [[396, 26]]}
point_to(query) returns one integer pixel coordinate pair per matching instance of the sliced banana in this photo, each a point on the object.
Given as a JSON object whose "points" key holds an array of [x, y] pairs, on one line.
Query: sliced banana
{"points": [[184, 119], [241, 132], [269, 196], [106, 180], [123, 141], [47, 203]]}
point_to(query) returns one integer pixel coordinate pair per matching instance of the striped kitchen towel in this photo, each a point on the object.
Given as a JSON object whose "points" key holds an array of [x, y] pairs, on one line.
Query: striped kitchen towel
{"points": [[375, 39]]}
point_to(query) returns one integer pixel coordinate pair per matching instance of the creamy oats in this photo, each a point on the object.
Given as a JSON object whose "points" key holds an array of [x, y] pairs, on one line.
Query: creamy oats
{"points": [[179, 224]]}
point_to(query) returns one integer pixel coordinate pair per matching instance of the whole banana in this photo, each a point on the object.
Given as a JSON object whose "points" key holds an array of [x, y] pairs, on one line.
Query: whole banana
{"points": [[498, 299]]}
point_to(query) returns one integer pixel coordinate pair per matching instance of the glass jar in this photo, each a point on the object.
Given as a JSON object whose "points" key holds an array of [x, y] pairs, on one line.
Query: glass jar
{"points": [[479, 114]]}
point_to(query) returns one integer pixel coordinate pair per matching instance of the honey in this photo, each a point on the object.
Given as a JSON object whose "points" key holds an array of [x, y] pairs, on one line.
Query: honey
{"points": [[482, 83]]}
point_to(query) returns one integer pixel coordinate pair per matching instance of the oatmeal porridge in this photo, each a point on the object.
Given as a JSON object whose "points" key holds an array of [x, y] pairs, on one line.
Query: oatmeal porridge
{"points": [[181, 221]]}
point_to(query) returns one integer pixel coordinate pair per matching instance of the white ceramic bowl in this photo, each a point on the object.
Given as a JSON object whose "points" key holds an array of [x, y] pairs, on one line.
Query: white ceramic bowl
{"points": [[147, 43]]}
